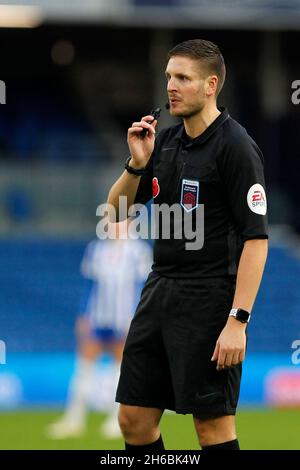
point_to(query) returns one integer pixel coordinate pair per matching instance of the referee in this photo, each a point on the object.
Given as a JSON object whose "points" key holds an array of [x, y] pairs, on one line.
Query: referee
{"points": [[187, 340]]}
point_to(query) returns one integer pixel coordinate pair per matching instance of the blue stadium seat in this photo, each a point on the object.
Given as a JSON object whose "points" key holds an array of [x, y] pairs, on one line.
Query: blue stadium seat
{"points": [[41, 288]]}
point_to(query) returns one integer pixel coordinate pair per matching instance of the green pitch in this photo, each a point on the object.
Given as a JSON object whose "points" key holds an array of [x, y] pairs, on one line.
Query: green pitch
{"points": [[265, 429]]}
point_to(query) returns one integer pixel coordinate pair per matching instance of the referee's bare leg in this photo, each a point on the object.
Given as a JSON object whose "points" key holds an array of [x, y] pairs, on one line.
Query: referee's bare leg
{"points": [[212, 432], [139, 425]]}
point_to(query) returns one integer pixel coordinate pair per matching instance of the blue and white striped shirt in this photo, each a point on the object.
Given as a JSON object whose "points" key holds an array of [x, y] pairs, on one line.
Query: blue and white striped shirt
{"points": [[117, 269]]}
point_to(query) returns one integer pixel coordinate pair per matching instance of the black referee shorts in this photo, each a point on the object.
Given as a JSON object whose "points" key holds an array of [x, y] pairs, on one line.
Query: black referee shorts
{"points": [[167, 357]]}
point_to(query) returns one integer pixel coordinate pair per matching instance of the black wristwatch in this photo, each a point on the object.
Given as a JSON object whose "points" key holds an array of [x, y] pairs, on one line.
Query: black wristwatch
{"points": [[241, 315], [134, 171]]}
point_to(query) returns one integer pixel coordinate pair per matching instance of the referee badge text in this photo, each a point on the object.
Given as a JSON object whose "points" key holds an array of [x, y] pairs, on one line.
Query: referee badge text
{"points": [[189, 194]]}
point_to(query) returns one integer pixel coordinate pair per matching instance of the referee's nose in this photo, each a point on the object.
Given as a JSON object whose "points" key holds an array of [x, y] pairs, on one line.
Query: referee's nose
{"points": [[171, 86]]}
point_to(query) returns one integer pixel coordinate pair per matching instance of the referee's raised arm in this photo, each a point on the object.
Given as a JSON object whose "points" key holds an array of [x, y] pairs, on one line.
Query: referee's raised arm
{"points": [[141, 148]]}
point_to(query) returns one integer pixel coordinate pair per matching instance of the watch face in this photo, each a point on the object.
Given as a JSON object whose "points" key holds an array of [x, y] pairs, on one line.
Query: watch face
{"points": [[242, 315]]}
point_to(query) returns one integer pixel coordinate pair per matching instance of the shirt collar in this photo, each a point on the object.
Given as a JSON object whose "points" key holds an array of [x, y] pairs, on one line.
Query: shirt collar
{"points": [[181, 134]]}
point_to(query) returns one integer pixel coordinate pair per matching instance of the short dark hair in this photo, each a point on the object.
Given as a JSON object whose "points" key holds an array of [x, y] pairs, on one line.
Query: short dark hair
{"points": [[205, 51]]}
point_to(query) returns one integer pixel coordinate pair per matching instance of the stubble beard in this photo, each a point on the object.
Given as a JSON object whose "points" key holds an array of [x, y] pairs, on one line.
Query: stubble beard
{"points": [[189, 113]]}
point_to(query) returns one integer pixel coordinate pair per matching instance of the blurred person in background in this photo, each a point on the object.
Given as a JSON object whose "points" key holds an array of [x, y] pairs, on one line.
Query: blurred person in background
{"points": [[113, 269]]}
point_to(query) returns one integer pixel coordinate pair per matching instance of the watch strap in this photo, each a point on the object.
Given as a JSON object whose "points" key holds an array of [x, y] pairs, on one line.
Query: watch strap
{"points": [[134, 171]]}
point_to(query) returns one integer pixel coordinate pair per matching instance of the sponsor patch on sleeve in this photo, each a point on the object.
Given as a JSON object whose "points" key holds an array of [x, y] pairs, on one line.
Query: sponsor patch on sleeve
{"points": [[256, 199]]}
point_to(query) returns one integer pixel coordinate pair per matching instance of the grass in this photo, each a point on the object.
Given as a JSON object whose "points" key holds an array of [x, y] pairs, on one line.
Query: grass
{"points": [[257, 429]]}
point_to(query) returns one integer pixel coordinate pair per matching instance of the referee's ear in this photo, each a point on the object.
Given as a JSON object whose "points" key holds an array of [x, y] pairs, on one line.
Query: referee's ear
{"points": [[211, 85]]}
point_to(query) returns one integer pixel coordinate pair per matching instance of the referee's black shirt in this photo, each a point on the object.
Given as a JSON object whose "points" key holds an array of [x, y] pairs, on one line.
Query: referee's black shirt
{"points": [[225, 168]]}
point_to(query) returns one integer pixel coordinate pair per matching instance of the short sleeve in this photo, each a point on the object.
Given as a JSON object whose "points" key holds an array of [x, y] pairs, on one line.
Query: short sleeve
{"points": [[243, 175], [90, 262]]}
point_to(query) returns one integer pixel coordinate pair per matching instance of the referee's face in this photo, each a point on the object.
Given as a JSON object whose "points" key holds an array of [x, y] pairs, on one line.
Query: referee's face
{"points": [[187, 86]]}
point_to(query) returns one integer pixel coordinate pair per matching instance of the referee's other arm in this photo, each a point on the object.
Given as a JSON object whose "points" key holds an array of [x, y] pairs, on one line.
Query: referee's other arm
{"points": [[140, 151], [231, 344]]}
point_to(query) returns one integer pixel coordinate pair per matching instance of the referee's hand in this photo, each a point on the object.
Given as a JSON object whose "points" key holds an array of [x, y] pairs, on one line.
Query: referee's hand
{"points": [[231, 345], [141, 148]]}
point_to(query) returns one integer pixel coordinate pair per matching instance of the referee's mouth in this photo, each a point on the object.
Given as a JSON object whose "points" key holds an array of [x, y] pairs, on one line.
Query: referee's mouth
{"points": [[174, 101]]}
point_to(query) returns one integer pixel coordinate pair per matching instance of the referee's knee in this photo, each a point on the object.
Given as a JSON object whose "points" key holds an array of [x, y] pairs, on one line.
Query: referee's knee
{"points": [[215, 430], [139, 426]]}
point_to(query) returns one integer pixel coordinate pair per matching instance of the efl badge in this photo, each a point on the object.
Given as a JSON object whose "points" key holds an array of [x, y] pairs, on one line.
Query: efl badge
{"points": [[189, 195], [155, 187]]}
